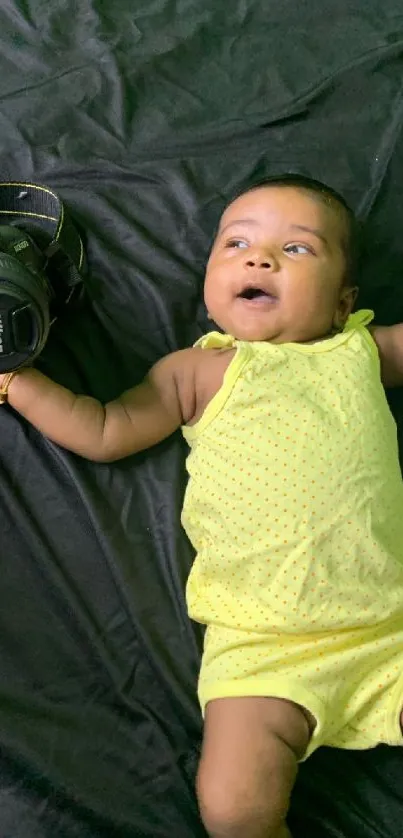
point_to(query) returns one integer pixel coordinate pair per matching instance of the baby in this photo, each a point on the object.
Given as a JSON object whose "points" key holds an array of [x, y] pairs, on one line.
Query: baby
{"points": [[294, 503]]}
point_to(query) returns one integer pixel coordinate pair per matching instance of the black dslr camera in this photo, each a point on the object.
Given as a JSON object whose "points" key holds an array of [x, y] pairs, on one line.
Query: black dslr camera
{"points": [[42, 265]]}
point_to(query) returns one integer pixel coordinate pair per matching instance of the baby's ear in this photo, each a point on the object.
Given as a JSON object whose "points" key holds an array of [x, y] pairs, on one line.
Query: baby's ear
{"points": [[347, 299]]}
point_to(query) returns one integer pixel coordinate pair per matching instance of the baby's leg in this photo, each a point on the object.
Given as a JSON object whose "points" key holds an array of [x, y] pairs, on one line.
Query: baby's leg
{"points": [[248, 765]]}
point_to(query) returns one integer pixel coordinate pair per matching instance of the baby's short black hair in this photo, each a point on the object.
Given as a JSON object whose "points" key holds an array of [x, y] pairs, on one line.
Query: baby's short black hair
{"points": [[330, 198]]}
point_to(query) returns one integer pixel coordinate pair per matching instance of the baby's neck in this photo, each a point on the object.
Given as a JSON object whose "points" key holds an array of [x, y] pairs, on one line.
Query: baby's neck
{"points": [[278, 341]]}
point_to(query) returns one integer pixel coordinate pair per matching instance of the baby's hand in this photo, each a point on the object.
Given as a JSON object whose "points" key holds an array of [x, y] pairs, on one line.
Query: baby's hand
{"points": [[76, 422]]}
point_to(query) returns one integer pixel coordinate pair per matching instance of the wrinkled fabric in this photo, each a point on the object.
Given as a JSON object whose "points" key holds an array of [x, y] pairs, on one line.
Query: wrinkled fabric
{"points": [[146, 118]]}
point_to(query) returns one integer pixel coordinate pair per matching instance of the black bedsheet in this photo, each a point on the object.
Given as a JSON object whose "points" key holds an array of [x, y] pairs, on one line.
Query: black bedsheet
{"points": [[146, 115]]}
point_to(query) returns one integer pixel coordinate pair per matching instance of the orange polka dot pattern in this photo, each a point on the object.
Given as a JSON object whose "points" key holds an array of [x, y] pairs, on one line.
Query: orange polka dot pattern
{"points": [[350, 681], [295, 507], [295, 497]]}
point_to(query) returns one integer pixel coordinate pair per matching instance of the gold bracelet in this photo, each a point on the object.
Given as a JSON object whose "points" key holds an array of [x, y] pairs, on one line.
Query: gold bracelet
{"points": [[4, 387]]}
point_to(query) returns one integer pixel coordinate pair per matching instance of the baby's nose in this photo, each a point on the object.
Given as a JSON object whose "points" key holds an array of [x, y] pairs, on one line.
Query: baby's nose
{"points": [[259, 261]]}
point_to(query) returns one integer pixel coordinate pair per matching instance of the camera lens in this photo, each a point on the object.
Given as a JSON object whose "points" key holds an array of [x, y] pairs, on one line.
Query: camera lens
{"points": [[24, 322]]}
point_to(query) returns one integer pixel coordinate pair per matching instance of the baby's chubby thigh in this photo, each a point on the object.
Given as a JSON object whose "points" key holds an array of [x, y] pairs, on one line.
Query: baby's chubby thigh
{"points": [[251, 749], [253, 740]]}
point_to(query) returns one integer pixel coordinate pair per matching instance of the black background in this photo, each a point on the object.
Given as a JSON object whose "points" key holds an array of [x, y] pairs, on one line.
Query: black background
{"points": [[145, 116]]}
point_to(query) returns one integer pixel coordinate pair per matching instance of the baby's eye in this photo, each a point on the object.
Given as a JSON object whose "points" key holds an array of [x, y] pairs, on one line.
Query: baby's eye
{"points": [[237, 243], [299, 249]]}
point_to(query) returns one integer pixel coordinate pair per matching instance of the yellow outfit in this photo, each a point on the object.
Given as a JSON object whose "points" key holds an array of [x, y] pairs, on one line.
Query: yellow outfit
{"points": [[295, 508]]}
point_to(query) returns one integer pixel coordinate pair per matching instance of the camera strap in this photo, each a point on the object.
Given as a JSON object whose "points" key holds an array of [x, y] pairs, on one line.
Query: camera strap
{"points": [[28, 205]]}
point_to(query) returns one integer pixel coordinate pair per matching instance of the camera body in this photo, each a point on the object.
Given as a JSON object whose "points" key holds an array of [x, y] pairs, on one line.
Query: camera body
{"points": [[41, 270]]}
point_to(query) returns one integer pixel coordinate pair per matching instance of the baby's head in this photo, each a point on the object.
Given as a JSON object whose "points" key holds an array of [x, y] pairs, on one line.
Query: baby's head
{"points": [[283, 262]]}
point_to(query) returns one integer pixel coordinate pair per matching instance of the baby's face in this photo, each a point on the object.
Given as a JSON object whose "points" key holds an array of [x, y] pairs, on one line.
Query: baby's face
{"points": [[276, 268]]}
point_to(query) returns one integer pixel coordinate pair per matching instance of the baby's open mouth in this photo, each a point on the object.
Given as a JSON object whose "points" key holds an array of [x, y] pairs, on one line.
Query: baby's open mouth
{"points": [[256, 294]]}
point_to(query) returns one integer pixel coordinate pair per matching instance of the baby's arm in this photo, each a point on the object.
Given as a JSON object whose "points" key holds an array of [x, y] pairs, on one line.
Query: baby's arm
{"points": [[389, 340], [138, 419]]}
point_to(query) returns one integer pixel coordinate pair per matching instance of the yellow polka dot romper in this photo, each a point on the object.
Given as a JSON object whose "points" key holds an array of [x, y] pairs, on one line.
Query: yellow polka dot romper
{"points": [[295, 508]]}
